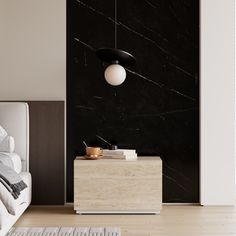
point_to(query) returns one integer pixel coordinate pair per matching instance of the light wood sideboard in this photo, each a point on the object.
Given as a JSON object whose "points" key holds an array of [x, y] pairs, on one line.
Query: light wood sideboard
{"points": [[118, 186]]}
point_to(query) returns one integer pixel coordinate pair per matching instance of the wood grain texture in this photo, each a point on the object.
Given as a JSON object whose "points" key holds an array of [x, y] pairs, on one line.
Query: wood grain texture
{"points": [[173, 221], [118, 185], [47, 151]]}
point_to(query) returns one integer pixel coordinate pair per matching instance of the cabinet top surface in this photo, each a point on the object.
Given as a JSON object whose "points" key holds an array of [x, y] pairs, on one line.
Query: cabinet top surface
{"points": [[140, 158]]}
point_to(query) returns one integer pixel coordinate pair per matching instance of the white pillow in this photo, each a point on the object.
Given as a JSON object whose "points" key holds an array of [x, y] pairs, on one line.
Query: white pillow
{"points": [[3, 133], [7, 144], [11, 160], [17, 164]]}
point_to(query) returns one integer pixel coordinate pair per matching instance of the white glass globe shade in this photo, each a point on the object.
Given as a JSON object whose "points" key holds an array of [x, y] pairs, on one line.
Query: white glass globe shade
{"points": [[115, 74]]}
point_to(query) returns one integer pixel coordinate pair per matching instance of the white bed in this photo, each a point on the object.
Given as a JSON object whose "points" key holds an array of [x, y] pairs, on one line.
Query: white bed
{"points": [[14, 117]]}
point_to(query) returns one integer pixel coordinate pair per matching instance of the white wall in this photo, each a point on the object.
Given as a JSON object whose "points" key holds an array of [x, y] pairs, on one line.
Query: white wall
{"points": [[217, 102], [32, 49]]}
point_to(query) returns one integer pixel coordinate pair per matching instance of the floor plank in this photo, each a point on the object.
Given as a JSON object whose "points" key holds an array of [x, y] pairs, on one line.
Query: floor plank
{"points": [[173, 220]]}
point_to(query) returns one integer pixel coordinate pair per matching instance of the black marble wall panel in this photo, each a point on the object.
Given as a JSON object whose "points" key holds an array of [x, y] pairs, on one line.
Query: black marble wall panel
{"points": [[156, 110]]}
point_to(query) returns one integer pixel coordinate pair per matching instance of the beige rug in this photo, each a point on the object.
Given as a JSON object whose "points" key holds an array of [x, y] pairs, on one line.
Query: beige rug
{"points": [[65, 231]]}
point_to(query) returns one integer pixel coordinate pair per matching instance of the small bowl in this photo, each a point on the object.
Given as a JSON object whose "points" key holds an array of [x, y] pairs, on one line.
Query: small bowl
{"points": [[93, 153]]}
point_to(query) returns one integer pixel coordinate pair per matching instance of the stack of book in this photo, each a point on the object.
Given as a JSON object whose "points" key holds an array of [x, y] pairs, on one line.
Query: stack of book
{"points": [[126, 154]]}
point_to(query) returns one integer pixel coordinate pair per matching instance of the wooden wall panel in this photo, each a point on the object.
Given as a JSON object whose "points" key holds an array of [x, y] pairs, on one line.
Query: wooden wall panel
{"points": [[47, 151]]}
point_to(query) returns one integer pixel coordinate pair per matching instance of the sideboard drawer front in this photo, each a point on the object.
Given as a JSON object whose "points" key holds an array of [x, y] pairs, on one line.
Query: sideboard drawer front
{"points": [[118, 193], [107, 185]]}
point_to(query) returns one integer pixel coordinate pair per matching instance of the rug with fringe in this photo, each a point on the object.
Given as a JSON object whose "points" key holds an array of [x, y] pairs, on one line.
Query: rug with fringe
{"points": [[65, 231]]}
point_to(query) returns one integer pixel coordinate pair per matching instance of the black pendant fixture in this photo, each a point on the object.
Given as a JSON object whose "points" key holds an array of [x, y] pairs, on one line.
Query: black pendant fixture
{"points": [[115, 73]]}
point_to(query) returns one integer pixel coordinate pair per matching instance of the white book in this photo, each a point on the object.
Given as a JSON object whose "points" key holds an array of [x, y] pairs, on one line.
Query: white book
{"points": [[131, 157], [122, 157], [119, 151], [109, 156]]}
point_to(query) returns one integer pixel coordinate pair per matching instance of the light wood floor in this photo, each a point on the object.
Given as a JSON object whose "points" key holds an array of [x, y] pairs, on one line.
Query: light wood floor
{"points": [[173, 220]]}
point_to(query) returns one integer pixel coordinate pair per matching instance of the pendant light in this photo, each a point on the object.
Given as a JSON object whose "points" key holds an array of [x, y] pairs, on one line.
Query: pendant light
{"points": [[115, 73]]}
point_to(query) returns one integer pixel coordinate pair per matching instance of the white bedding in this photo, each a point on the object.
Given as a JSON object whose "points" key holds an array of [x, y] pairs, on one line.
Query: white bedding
{"points": [[3, 215], [14, 117], [12, 160], [11, 204]]}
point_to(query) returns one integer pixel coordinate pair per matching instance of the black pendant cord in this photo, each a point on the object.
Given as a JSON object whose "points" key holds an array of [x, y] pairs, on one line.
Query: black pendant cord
{"points": [[115, 23], [114, 55]]}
